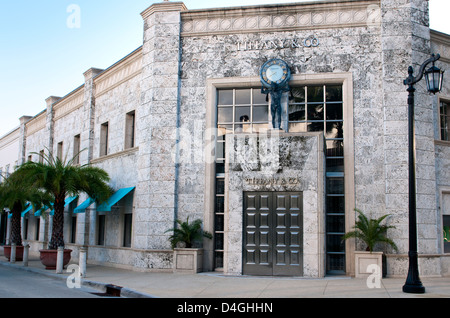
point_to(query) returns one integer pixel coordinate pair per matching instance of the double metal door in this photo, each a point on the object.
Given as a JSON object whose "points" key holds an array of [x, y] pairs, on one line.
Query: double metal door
{"points": [[273, 233]]}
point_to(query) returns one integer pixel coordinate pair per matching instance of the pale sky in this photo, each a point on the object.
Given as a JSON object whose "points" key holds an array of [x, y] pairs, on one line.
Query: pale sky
{"points": [[41, 55]]}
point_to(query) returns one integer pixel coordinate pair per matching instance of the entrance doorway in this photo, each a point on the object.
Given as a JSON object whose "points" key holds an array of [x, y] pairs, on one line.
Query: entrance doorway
{"points": [[273, 233]]}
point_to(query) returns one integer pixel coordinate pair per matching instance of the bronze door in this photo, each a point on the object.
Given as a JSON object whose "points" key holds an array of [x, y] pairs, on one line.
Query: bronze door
{"points": [[273, 233]]}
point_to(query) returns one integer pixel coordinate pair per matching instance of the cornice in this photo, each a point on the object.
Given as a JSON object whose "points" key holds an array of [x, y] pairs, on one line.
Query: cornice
{"points": [[165, 6], [282, 17]]}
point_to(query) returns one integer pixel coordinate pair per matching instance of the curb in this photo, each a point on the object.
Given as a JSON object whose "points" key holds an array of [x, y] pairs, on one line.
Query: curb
{"points": [[101, 287]]}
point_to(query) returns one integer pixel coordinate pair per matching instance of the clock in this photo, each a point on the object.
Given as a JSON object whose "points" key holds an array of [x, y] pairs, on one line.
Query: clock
{"points": [[275, 73]]}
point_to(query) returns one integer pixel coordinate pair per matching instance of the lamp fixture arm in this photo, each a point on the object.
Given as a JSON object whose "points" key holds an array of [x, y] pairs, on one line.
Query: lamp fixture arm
{"points": [[411, 80]]}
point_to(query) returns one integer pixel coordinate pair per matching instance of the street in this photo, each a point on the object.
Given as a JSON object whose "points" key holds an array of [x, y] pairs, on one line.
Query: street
{"points": [[16, 283]]}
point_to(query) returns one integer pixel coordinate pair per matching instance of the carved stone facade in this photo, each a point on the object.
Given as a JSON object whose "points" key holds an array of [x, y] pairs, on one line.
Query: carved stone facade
{"points": [[152, 121]]}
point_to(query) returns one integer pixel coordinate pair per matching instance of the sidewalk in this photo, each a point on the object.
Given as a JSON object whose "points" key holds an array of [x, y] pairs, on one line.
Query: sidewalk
{"points": [[214, 285]]}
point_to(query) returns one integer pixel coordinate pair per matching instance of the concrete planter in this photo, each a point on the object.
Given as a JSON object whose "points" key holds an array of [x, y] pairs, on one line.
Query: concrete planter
{"points": [[364, 262], [187, 260]]}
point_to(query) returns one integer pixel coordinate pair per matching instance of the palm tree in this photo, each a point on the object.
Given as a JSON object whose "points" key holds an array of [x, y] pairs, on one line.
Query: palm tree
{"points": [[370, 231], [16, 195], [60, 178]]}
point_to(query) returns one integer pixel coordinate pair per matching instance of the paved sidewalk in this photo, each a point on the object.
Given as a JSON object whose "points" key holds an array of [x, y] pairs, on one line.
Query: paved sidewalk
{"points": [[213, 285]]}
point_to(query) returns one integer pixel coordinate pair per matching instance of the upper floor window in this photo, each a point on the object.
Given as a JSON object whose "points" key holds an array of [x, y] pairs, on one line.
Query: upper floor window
{"points": [[104, 139], [130, 121], [444, 111]]}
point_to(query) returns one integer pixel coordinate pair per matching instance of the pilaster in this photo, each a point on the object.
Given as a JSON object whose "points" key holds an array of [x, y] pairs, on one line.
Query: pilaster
{"points": [[157, 122], [87, 134], [405, 39], [50, 122]]}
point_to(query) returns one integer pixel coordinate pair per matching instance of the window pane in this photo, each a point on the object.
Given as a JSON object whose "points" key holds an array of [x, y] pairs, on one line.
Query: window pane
{"points": [[299, 95], [243, 96], [335, 204], [336, 262], [334, 112], [335, 165], [258, 97], [315, 94], [225, 114], [222, 130], [220, 150], [297, 127], [446, 233], [315, 112], [260, 113], [260, 128], [297, 112], [335, 223], [335, 185], [219, 222], [335, 130], [220, 204], [334, 93], [225, 97], [335, 148], [335, 243], [242, 114], [315, 126]]}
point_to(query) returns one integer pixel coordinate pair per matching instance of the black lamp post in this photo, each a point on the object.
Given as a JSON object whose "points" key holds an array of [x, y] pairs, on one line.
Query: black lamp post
{"points": [[434, 77]]}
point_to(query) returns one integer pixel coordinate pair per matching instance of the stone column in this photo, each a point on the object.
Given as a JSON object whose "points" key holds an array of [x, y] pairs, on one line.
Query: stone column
{"points": [[157, 121], [405, 37], [50, 122], [87, 135], [23, 139]]}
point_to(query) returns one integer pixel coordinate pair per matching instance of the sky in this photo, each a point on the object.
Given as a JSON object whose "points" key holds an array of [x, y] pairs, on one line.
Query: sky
{"points": [[47, 45]]}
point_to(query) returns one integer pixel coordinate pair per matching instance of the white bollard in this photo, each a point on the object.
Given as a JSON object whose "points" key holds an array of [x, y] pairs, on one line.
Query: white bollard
{"points": [[12, 257], [60, 260], [26, 249], [82, 261]]}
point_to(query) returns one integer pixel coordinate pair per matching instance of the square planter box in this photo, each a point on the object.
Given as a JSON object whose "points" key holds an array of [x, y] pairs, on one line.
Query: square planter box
{"points": [[187, 260], [363, 262]]}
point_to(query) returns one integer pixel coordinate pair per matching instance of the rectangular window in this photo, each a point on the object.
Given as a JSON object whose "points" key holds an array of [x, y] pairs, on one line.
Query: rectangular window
{"points": [[444, 111], [76, 149], [446, 219], [37, 228], [101, 223], [41, 156], [130, 130], [311, 108], [127, 229], [59, 150], [104, 139], [73, 229]]}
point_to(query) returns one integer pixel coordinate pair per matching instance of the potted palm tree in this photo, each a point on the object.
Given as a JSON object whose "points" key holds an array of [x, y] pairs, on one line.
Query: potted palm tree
{"points": [[16, 196], [185, 242], [371, 232], [60, 178]]}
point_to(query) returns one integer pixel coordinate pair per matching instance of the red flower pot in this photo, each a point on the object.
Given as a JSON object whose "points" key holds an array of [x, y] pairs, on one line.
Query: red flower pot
{"points": [[49, 257], [19, 253]]}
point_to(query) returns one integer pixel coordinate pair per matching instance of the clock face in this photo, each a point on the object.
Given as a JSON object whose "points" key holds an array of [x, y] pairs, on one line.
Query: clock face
{"points": [[275, 72]]}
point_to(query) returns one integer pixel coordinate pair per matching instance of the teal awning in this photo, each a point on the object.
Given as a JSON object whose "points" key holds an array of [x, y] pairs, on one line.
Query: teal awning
{"points": [[24, 212], [28, 209], [67, 202], [116, 197], [43, 209], [83, 206]]}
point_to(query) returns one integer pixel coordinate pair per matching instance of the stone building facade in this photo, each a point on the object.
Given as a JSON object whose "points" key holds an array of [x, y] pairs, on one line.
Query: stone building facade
{"points": [[166, 122]]}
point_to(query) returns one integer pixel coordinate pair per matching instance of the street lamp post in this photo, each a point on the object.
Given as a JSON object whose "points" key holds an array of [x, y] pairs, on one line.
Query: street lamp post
{"points": [[434, 77]]}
